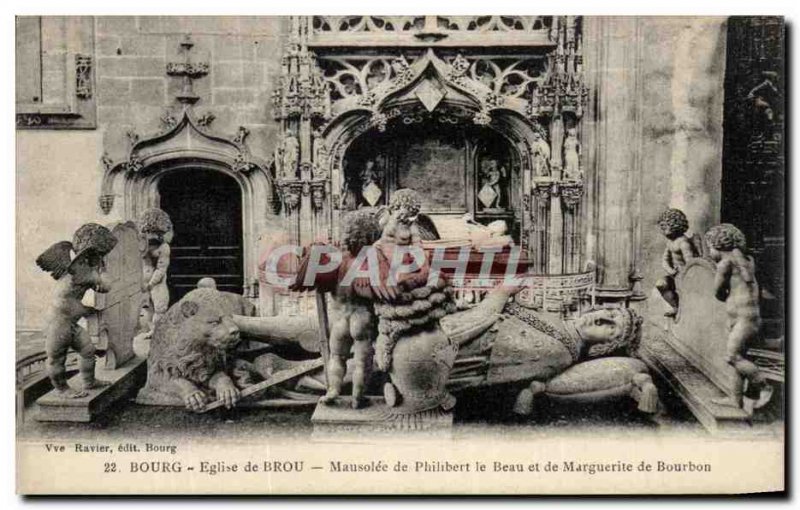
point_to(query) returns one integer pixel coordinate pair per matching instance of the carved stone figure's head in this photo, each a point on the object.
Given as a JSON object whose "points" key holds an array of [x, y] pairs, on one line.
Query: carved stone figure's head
{"points": [[189, 338], [145, 314], [610, 330], [203, 317], [673, 223], [208, 320], [91, 243], [82, 258], [317, 197], [723, 238], [360, 228], [156, 226], [400, 224], [206, 283], [94, 238], [87, 270]]}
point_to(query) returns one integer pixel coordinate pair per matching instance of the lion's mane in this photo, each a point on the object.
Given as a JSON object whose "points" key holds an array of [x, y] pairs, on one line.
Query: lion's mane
{"points": [[179, 350]]}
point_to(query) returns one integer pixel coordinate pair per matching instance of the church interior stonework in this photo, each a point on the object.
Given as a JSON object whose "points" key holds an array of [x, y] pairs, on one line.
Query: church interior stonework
{"points": [[566, 137]]}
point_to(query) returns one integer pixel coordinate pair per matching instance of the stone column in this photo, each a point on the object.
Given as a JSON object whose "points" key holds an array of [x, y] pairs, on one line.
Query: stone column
{"points": [[556, 251], [614, 147]]}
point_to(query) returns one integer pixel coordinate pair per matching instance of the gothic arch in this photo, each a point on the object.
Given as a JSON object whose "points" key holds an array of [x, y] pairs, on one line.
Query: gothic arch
{"points": [[185, 145], [333, 90], [397, 101]]}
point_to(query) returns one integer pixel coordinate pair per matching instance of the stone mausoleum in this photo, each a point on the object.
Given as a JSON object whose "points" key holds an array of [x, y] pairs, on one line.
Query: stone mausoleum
{"points": [[577, 132]]}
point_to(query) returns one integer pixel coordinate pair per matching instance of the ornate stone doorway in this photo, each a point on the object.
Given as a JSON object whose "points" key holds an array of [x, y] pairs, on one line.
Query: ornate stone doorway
{"points": [[206, 211], [188, 154]]}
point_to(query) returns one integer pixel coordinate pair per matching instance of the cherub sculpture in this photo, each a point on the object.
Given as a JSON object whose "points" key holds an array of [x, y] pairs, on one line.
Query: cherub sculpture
{"points": [[404, 225], [735, 284], [399, 308], [76, 266], [354, 324], [156, 235], [680, 249]]}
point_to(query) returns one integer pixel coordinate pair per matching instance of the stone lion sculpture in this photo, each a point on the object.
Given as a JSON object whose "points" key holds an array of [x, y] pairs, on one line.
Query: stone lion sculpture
{"points": [[191, 359]]}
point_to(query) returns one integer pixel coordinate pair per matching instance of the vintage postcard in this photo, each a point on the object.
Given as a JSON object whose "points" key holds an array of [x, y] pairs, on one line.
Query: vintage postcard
{"points": [[433, 254]]}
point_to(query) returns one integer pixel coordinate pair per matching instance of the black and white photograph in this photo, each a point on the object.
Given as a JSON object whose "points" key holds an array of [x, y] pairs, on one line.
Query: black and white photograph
{"points": [[400, 254]]}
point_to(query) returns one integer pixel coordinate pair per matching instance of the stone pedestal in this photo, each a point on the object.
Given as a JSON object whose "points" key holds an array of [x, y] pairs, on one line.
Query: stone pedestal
{"points": [[376, 417], [693, 387], [688, 352], [122, 382]]}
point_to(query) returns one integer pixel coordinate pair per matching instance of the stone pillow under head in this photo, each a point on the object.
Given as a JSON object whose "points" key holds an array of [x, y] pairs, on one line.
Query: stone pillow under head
{"points": [[596, 379]]}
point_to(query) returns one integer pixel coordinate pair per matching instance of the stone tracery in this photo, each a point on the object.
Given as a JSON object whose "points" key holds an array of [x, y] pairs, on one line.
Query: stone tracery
{"points": [[331, 91]]}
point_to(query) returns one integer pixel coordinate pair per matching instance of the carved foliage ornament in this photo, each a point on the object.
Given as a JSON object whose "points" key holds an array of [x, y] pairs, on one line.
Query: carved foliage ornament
{"points": [[206, 119], [83, 76], [494, 82], [300, 94], [290, 193], [563, 89], [106, 203], [241, 135], [241, 163], [571, 194], [188, 71], [169, 121], [191, 69], [542, 192], [390, 25], [317, 195]]}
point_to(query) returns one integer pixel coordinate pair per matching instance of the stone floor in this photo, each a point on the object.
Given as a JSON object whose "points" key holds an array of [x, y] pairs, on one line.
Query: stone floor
{"points": [[475, 413]]}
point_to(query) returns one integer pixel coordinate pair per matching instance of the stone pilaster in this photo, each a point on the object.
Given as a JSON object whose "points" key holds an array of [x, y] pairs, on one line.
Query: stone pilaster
{"points": [[614, 146]]}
